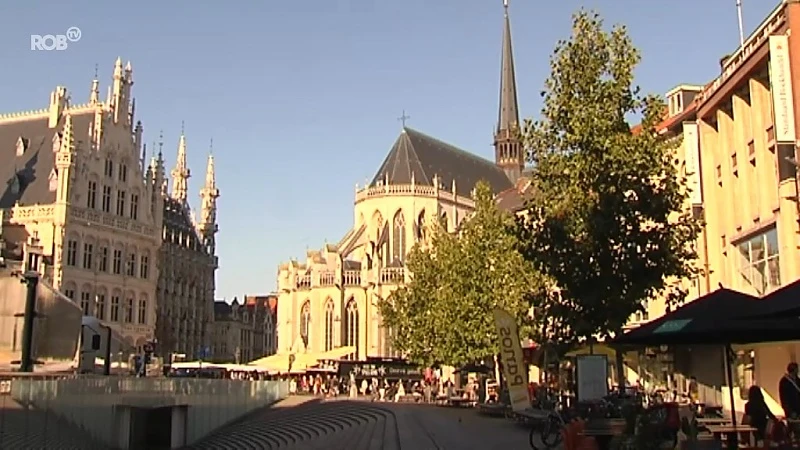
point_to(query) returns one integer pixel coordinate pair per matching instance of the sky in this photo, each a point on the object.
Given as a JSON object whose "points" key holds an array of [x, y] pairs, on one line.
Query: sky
{"points": [[302, 98]]}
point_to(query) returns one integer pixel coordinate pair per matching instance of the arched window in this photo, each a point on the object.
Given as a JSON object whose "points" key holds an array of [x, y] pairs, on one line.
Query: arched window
{"points": [[444, 221], [420, 231], [329, 325], [398, 237], [351, 326], [305, 321]]}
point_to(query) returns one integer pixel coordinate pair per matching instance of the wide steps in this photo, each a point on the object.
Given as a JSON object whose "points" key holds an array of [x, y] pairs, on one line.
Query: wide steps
{"points": [[314, 425], [31, 429]]}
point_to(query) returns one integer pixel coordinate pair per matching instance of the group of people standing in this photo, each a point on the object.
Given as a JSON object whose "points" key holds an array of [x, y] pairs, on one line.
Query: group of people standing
{"points": [[758, 414], [375, 389]]}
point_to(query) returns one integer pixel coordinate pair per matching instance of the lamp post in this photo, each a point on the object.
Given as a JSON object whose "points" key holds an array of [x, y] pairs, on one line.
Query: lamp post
{"points": [[31, 280]]}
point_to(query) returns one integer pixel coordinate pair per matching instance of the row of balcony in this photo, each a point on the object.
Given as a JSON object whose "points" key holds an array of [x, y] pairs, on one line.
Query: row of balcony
{"points": [[351, 278], [410, 190], [109, 220]]}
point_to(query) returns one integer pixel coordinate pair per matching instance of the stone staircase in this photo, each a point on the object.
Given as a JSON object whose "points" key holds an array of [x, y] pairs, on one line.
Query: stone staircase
{"points": [[309, 425], [34, 429]]}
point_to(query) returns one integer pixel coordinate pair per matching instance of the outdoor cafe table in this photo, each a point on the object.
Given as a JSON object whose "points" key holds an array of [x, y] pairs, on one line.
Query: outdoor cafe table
{"points": [[712, 421], [603, 431], [730, 432]]}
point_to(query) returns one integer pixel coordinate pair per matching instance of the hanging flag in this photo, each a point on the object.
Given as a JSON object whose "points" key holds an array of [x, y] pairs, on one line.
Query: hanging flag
{"points": [[514, 369]]}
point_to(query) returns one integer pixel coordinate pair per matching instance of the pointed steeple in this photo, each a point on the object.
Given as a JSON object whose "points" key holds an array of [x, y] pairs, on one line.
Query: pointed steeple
{"points": [[509, 152], [181, 173], [207, 226], [68, 135], [508, 116], [94, 95]]}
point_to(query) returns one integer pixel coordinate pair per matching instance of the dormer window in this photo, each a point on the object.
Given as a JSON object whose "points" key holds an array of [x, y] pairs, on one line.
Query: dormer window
{"points": [[14, 184], [22, 145], [53, 180], [56, 142]]}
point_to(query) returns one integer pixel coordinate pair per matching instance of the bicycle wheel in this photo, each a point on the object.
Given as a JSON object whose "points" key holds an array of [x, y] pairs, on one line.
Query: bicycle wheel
{"points": [[551, 431], [532, 438]]}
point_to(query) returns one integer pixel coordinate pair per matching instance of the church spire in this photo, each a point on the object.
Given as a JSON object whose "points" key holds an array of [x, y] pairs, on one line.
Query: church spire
{"points": [[209, 194], [509, 154], [181, 173], [508, 116]]}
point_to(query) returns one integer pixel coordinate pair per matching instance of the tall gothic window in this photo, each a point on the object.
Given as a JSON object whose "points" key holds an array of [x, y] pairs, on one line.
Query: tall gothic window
{"points": [[351, 326], [305, 321], [329, 325], [420, 231], [398, 237]]}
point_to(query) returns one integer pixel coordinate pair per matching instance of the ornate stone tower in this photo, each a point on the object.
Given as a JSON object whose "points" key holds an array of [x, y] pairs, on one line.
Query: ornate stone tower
{"points": [[207, 226], [181, 173], [508, 150]]}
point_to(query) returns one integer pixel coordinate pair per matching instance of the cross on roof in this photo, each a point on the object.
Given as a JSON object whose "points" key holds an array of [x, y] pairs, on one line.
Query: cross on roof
{"points": [[403, 118]]}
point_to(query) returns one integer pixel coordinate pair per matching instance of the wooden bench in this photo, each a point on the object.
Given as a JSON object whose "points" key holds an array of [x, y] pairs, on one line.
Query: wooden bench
{"points": [[409, 398], [461, 402]]}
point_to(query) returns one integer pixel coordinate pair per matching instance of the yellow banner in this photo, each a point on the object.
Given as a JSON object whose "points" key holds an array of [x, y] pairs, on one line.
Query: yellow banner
{"points": [[514, 369]]}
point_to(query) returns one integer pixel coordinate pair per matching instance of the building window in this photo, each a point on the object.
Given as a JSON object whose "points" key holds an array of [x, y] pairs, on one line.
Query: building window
{"points": [[144, 267], [143, 312], [109, 168], [102, 263], [106, 199], [120, 202], [86, 298], [398, 238], [131, 266], [123, 173], [91, 197], [305, 321], [351, 326], [129, 310], [759, 261], [88, 253], [117, 262], [101, 307], [115, 308], [69, 293], [72, 252], [134, 207], [329, 325]]}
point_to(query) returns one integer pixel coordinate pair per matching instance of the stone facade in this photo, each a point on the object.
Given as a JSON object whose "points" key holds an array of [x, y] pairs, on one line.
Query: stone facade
{"points": [[74, 182], [188, 262], [245, 331]]}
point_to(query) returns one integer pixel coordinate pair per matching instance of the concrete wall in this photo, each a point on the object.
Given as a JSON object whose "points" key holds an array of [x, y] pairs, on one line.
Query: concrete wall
{"points": [[98, 404], [56, 332]]}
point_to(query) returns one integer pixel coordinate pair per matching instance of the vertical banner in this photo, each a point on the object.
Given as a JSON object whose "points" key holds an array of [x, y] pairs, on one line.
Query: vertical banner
{"points": [[780, 77], [514, 369], [691, 149]]}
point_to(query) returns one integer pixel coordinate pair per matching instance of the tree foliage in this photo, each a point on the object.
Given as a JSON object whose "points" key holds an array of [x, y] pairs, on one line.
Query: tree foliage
{"points": [[606, 216], [444, 314]]}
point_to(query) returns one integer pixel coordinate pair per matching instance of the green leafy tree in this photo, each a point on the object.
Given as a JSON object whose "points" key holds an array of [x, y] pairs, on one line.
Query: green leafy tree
{"points": [[444, 314], [606, 216]]}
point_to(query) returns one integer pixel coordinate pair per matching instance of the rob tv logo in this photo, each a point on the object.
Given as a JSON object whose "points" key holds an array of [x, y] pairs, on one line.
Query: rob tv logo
{"points": [[49, 42]]}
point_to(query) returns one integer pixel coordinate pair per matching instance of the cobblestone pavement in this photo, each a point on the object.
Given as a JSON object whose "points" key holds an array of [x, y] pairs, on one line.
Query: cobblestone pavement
{"points": [[308, 424]]}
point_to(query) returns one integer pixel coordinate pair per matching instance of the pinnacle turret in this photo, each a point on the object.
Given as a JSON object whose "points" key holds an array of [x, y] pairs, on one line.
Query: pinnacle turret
{"points": [[181, 173]]}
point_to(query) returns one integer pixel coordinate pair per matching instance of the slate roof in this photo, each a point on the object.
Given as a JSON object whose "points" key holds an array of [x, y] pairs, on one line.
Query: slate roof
{"points": [[425, 157], [33, 168], [177, 217]]}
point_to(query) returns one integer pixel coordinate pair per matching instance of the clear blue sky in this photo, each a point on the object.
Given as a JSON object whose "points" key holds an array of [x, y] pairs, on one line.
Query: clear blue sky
{"points": [[302, 97]]}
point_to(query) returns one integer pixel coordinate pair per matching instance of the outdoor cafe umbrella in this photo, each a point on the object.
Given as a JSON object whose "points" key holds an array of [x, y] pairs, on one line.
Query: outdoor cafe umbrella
{"points": [[722, 317], [702, 321], [782, 302]]}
